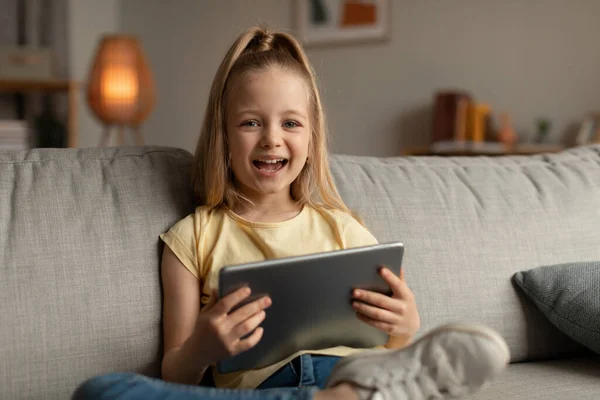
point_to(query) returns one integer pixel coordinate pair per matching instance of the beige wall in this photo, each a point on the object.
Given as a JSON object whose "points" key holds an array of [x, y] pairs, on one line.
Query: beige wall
{"points": [[531, 58], [89, 20]]}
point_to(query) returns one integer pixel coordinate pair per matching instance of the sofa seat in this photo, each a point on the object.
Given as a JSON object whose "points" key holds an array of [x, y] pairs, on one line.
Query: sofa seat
{"points": [[566, 379]]}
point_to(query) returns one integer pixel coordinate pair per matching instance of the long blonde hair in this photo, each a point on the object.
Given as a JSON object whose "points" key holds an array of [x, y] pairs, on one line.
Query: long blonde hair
{"points": [[257, 49]]}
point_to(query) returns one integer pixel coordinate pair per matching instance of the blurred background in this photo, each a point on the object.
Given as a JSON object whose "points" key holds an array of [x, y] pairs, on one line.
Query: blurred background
{"points": [[396, 76]]}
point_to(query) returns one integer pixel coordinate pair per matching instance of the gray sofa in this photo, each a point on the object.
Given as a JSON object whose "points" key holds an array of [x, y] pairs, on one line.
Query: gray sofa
{"points": [[80, 287]]}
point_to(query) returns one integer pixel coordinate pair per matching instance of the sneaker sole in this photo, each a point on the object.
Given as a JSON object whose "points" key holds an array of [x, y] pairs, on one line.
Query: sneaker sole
{"points": [[372, 356], [479, 330]]}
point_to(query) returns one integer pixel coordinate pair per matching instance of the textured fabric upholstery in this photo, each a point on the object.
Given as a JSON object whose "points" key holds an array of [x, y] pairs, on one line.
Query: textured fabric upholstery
{"points": [[79, 263], [469, 224], [79, 254]]}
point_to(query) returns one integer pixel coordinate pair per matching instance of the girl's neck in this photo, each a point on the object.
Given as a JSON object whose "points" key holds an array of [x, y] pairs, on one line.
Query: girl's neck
{"points": [[269, 209]]}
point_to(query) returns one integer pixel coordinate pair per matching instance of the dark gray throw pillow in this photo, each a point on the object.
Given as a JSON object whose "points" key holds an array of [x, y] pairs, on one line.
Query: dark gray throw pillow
{"points": [[569, 296]]}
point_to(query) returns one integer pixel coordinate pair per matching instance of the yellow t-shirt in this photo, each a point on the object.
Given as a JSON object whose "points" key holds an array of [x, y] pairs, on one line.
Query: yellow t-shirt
{"points": [[205, 241]]}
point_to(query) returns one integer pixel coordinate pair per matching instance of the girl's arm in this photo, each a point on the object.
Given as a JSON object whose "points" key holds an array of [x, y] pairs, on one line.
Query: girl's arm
{"points": [[194, 340], [180, 311]]}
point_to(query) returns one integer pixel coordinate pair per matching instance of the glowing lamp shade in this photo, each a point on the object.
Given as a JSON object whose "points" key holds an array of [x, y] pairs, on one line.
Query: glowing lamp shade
{"points": [[119, 90], [121, 87]]}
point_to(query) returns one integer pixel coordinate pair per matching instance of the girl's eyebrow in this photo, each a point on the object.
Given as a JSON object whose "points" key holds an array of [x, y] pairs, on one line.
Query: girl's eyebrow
{"points": [[246, 110], [290, 111], [294, 112]]}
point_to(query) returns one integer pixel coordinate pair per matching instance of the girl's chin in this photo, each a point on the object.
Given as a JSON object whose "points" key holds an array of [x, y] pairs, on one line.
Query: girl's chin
{"points": [[258, 190]]}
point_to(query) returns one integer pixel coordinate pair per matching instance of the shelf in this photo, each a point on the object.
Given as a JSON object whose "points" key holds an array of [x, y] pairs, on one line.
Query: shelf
{"points": [[54, 86], [523, 149], [20, 86]]}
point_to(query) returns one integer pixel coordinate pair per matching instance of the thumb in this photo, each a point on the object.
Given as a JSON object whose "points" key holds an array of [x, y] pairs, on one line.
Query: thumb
{"points": [[402, 273]]}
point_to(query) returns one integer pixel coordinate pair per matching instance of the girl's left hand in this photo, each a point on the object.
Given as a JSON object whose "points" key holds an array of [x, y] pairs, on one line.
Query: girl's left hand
{"points": [[396, 315]]}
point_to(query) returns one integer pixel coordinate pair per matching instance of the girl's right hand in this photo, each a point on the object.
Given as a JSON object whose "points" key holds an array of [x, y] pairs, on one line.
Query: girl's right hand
{"points": [[219, 332]]}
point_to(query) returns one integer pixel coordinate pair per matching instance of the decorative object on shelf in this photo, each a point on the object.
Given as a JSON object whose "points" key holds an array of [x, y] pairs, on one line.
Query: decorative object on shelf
{"points": [[506, 132], [451, 116], [543, 126], [121, 89], [479, 125], [70, 88], [589, 130], [49, 130], [321, 22], [14, 135], [26, 63], [461, 124]]}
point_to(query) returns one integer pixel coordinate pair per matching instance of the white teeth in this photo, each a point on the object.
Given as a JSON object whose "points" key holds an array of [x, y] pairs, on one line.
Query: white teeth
{"points": [[271, 161]]}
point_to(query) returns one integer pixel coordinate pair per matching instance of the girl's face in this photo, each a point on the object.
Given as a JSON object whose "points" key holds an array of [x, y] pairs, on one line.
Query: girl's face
{"points": [[268, 132]]}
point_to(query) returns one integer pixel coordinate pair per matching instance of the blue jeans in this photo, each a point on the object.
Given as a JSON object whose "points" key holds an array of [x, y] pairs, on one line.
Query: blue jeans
{"points": [[297, 380]]}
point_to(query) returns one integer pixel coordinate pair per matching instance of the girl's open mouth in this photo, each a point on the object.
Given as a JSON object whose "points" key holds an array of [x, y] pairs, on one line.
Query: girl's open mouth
{"points": [[270, 165]]}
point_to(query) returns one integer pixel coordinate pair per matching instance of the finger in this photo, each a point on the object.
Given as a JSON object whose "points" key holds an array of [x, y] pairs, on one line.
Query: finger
{"points": [[248, 310], [397, 283], [247, 326], [375, 313], [405, 292], [392, 280], [379, 300], [225, 304], [382, 326], [250, 341]]}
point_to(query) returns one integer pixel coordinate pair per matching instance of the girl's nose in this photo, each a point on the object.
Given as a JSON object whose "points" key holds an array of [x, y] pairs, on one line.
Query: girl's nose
{"points": [[271, 137]]}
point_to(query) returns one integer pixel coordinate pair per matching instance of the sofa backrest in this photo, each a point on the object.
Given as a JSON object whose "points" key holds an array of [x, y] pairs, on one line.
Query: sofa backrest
{"points": [[80, 290], [79, 263], [468, 224]]}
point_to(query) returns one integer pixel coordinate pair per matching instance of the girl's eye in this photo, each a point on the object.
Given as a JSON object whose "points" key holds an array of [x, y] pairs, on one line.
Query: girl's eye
{"points": [[290, 124], [251, 123]]}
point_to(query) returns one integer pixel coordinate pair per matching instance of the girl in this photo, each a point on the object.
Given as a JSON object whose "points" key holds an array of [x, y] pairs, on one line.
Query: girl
{"points": [[265, 191]]}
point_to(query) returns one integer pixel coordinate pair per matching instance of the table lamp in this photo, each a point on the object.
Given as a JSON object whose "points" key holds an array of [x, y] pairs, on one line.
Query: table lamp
{"points": [[121, 91]]}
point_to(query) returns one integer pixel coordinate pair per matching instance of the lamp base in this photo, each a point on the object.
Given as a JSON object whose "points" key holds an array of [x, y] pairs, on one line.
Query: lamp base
{"points": [[137, 135]]}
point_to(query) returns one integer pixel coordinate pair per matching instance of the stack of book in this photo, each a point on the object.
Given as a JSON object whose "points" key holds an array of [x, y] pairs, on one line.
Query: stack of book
{"points": [[13, 135], [461, 123]]}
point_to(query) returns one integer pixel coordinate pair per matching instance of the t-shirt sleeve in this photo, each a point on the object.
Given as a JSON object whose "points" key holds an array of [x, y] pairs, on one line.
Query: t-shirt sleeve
{"points": [[181, 239], [356, 235]]}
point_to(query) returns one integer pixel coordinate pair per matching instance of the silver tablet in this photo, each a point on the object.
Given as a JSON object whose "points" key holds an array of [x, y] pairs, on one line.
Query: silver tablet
{"points": [[311, 296]]}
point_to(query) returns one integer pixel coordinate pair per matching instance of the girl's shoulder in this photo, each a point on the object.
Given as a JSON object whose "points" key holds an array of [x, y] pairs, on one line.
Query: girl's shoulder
{"points": [[202, 215], [350, 228], [341, 218], [209, 212]]}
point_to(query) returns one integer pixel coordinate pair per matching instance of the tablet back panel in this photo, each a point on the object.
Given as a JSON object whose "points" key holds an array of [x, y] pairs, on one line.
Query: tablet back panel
{"points": [[311, 296]]}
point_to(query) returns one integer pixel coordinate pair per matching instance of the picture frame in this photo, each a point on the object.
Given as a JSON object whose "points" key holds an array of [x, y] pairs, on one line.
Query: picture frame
{"points": [[338, 22]]}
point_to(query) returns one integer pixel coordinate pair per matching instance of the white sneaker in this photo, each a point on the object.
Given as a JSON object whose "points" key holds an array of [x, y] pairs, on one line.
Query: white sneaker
{"points": [[450, 361]]}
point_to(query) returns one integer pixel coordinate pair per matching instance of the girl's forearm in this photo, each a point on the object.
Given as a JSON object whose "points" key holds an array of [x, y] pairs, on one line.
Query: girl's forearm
{"points": [[182, 364]]}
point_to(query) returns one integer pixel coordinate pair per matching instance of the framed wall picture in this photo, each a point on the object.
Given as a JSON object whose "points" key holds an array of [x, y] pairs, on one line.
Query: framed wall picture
{"points": [[324, 22]]}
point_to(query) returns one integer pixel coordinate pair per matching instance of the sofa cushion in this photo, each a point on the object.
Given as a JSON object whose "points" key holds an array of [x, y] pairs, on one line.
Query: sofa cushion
{"points": [[469, 224], [569, 295], [572, 379], [79, 263]]}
